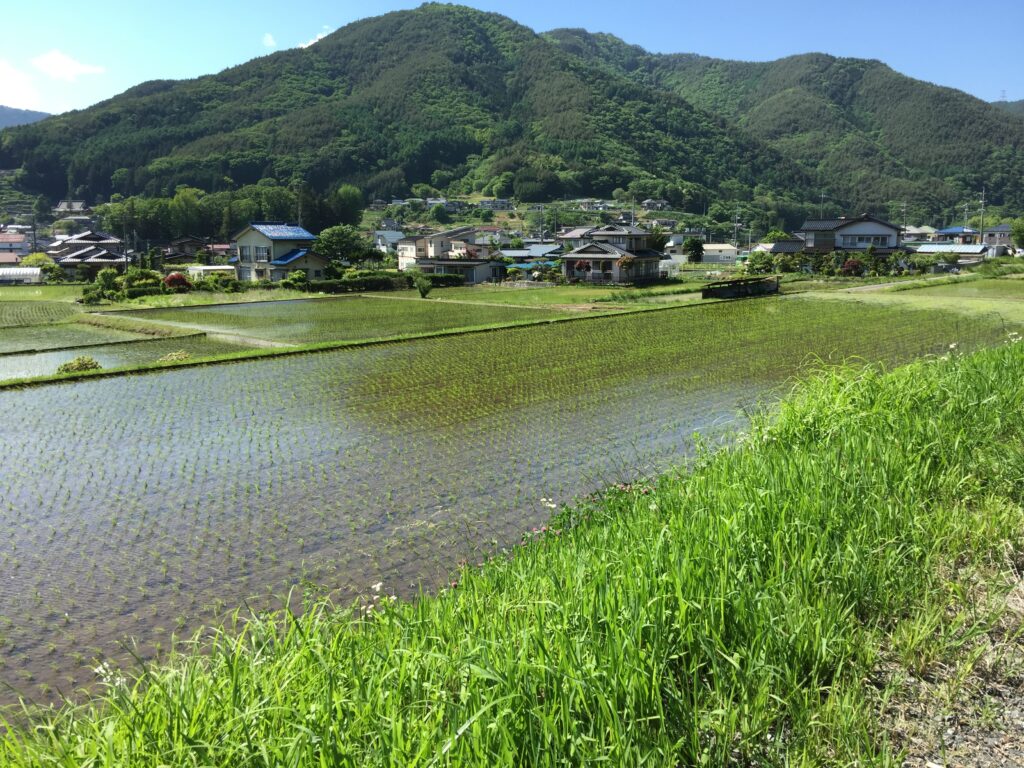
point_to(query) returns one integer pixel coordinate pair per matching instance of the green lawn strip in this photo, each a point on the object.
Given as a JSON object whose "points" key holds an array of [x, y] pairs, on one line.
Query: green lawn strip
{"points": [[1011, 312], [132, 324], [729, 615], [65, 292], [323, 346], [932, 282], [980, 287]]}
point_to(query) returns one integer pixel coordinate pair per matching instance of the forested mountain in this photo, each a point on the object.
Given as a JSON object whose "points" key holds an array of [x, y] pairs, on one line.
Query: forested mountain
{"points": [[10, 116], [443, 95], [1013, 107], [465, 101], [865, 132]]}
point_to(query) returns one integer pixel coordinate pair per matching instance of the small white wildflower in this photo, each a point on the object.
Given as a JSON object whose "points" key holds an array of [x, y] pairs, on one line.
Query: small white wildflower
{"points": [[378, 586]]}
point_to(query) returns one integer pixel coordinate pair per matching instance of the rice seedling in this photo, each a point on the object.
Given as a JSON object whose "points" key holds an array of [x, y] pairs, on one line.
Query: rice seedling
{"points": [[191, 491], [725, 615], [336, 319]]}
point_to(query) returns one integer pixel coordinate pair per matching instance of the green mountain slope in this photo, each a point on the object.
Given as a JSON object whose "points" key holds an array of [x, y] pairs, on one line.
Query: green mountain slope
{"points": [[867, 133], [10, 117], [1013, 107], [460, 99]]}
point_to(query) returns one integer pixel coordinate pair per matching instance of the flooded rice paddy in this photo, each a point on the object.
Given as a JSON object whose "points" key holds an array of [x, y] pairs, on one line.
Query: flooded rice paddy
{"points": [[144, 506]]}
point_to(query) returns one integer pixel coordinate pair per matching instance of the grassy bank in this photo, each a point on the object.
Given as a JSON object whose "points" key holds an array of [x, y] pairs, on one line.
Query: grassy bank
{"points": [[728, 615]]}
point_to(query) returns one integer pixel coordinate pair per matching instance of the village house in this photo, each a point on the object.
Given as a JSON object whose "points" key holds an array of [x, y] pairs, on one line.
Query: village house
{"points": [[998, 235], [959, 235], [921, 234], [793, 246], [71, 208], [14, 246], [273, 250], [452, 252], [609, 254], [848, 234], [186, 247], [655, 205], [497, 204], [386, 240], [89, 252]]}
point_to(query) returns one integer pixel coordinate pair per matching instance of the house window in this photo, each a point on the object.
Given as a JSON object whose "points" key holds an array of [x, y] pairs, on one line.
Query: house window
{"points": [[262, 252], [245, 252], [317, 274]]}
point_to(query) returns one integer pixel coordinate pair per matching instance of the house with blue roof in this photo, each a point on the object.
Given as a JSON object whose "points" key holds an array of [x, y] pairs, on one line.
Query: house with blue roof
{"points": [[273, 250], [960, 235]]}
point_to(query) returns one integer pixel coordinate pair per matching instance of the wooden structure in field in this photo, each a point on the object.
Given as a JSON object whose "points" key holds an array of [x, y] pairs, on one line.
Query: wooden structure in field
{"points": [[741, 289]]}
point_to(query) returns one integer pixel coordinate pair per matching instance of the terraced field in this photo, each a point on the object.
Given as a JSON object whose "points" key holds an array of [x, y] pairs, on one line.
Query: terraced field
{"points": [[57, 336], [145, 505], [339, 319], [18, 313], [140, 351]]}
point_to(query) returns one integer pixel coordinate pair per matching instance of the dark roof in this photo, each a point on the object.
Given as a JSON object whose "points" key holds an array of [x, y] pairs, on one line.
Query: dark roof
{"points": [[786, 246], [613, 251], [831, 225], [999, 228]]}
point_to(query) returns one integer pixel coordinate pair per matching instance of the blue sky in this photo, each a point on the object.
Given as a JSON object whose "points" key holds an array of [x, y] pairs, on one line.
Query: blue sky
{"points": [[61, 55]]}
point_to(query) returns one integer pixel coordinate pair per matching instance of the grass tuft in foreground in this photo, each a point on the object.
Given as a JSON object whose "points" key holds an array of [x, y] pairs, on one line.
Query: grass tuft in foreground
{"points": [[726, 616]]}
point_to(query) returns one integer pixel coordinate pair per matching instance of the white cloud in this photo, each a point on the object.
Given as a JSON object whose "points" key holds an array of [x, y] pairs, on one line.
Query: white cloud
{"points": [[269, 41], [17, 89], [60, 66], [320, 36]]}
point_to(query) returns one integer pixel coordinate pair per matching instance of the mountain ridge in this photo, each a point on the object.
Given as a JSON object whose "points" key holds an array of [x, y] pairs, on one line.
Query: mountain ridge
{"points": [[11, 117], [907, 137], [462, 101]]}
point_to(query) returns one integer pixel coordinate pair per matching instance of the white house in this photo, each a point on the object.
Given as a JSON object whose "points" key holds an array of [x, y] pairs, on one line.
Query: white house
{"points": [[452, 252], [272, 250], [848, 234]]}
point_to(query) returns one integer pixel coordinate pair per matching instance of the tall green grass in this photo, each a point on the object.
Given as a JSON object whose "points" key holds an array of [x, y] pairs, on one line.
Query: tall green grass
{"points": [[727, 615]]}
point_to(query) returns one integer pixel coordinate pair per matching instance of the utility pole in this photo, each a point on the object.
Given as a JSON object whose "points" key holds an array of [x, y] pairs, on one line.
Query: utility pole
{"points": [[982, 230], [821, 208], [736, 228]]}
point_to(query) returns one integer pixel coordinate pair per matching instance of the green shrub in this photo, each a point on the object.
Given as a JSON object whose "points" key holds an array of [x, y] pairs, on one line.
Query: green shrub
{"points": [[175, 357], [138, 291], [81, 363]]}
